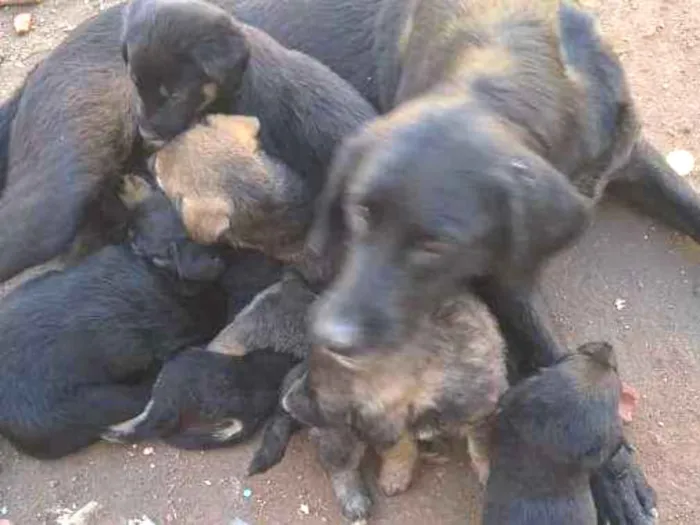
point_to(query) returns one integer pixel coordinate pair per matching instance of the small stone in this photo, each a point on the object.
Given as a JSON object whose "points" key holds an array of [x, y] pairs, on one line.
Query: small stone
{"points": [[23, 23], [4, 510], [148, 451], [207, 483], [53, 483], [304, 509], [620, 304], [681, 161], [247, 493]]}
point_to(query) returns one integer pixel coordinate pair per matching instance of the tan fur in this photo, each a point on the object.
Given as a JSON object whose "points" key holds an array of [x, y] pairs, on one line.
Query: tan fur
{"points": [[398, 464], [206, 219], [134, 190], [456, 354]]}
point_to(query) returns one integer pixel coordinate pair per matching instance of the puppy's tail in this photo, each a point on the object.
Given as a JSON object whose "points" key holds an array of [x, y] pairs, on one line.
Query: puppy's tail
{"points": [[8, 110]]}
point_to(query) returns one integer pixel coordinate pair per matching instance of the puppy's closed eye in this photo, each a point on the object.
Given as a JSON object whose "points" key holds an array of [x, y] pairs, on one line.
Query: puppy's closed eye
{"points": [[427, 251]]}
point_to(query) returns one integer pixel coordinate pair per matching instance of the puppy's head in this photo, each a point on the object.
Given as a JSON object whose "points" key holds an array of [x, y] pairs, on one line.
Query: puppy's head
{"points": [[276, 318], [569, 412], [182, 57], [426, 197], [227, 189], [157, 234]]}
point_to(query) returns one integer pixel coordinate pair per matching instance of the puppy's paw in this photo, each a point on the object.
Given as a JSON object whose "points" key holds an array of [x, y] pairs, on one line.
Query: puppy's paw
{"points": [[395, 477], [356, 506], [481, 468]]}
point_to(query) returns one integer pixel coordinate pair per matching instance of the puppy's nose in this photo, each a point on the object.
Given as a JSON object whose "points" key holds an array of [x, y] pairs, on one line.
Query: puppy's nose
{"points": [[336, 333]]}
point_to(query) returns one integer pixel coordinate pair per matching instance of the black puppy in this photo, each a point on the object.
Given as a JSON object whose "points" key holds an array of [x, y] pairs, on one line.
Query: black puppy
{"points": [[219, 396], [82, 93], [80, 348], [551, 432], [189, 58]]}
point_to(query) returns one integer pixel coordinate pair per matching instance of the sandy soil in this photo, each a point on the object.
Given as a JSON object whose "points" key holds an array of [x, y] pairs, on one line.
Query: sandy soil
{"points": [[657, 334]]}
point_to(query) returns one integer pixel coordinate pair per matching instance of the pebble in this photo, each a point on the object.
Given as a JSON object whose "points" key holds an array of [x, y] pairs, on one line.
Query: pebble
{"points": [[681, 161], [620, 304], [148, 451], [247, 493], [304, 509], [23, 23], [80, 516]]}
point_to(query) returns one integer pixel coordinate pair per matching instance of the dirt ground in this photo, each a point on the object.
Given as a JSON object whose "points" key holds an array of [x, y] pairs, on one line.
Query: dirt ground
{"points": [[656, 329]]}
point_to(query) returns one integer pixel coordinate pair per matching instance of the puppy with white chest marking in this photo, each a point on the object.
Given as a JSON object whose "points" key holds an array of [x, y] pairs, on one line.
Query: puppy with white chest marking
{"points": [[445, 380]]}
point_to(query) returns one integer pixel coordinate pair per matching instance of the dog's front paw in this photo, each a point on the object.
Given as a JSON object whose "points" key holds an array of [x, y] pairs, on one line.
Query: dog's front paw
{"points": [[395, 477], [622, 494], [352, 495]]}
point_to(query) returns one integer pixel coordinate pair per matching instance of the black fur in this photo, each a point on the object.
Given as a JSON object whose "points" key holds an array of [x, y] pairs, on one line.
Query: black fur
{"points": [[80, 348], [7, 115], [71, 139], [551, 432], [199, 394], [219, 396]]}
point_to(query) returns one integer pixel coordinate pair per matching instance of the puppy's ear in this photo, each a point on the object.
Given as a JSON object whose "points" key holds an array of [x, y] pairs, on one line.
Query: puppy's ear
{"points": [[329, 222], [601, 352], [205, 219], [224, 55], [546, 213], [611, 124], [298, 403]]}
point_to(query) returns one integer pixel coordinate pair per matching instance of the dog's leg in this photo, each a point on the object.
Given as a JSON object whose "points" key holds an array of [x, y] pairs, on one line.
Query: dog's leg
{"points": [[398, 463], [648, 184], [478, 441], [340, 453], [531, 342]]}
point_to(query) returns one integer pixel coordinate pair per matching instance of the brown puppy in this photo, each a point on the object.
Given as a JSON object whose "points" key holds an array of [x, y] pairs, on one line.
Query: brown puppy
{"points": [[446, 380], [228, 189]]}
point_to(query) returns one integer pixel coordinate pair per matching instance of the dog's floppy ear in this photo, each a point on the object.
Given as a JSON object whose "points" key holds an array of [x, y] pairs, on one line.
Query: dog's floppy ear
{"points": [[611, 126], [329, 221], [224, 55], [546, 213]]}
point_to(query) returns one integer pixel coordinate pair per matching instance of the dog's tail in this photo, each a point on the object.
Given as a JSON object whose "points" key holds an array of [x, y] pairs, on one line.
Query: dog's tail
{"points": [[8, 110]]}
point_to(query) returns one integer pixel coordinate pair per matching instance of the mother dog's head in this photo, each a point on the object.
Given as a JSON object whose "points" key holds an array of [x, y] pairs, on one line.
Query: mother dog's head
{"points": [[427, 197]]}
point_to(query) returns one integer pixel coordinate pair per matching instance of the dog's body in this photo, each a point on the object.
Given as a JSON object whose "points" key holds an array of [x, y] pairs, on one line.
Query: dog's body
{"points": [[219, 396], [81, 347], [551, 432], [446, 380]]}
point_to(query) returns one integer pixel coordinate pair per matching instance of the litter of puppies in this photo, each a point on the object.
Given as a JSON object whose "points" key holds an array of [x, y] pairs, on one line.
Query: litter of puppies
{"points": [[282, 247]]}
